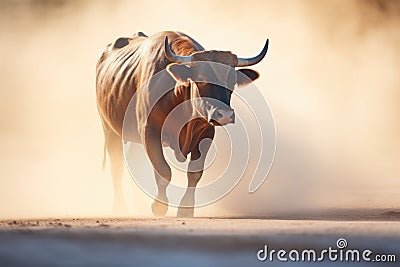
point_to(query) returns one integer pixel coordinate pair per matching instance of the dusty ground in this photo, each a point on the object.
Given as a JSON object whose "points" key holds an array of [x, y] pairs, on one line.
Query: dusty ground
{"points": [[332, 86], [195, 242]]}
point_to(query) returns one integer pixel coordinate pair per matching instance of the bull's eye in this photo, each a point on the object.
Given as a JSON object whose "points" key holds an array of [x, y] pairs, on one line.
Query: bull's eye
{"points": [[208, 106]]}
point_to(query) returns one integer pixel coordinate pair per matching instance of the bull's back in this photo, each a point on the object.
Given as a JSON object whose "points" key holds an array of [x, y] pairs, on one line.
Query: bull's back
{"points": [[128, 63], [116, 81]]}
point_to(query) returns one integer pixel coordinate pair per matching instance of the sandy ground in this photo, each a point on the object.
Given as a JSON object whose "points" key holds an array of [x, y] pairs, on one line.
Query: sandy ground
{"points": [[194, 242]]}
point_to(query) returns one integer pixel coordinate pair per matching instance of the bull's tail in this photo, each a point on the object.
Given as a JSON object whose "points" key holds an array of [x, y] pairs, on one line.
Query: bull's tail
{"points": [[106, 133], [103, 164], [112, 147]]}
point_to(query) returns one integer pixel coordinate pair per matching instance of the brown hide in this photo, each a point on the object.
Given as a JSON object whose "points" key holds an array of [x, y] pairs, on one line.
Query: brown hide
{"points": [[124, 67]]}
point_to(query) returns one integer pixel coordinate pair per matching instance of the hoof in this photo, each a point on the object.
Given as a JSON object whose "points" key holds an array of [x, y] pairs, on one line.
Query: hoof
{"points": [[185, 212], [158, 208]]}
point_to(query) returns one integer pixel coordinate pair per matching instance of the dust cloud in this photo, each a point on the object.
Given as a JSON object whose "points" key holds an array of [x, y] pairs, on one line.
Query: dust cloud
{"points": [[330, 77]]}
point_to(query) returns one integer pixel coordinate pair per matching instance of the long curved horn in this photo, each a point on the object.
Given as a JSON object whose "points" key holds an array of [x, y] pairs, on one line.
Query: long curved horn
{"points": [[244, 62], [173, 57]]}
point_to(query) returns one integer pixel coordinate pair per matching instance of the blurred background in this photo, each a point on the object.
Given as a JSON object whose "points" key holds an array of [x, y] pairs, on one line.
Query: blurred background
{"points": [[331, 78]]}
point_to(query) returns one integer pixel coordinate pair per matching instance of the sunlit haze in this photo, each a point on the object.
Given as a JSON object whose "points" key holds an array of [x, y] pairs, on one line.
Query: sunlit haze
{"points": [[331, 78]]}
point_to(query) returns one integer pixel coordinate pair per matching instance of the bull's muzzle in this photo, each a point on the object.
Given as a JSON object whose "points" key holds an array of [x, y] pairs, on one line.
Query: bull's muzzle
{"points": [[222, 117]]}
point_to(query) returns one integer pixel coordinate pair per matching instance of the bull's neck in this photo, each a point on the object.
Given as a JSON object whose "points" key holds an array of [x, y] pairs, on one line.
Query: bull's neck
{"points": [[181, 93], [194, 126]]}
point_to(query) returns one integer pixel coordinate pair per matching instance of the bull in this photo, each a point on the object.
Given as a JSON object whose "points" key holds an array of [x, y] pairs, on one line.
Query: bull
{"points": [[122, 72]]}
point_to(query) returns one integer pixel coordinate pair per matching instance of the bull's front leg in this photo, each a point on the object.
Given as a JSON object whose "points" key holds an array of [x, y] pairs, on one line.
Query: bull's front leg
{"points": [[195, 171], [162, 171]]}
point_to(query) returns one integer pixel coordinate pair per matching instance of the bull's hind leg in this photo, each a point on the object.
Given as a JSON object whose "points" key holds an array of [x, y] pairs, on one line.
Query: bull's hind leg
{"points": [[114, 149]]}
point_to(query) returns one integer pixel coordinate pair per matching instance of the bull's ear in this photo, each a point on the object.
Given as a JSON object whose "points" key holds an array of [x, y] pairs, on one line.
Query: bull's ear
{"points": [[179, 72], [243, 73]]}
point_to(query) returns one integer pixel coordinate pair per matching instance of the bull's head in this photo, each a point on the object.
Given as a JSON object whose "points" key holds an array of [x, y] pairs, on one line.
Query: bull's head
{"points": [[212, 84]]}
